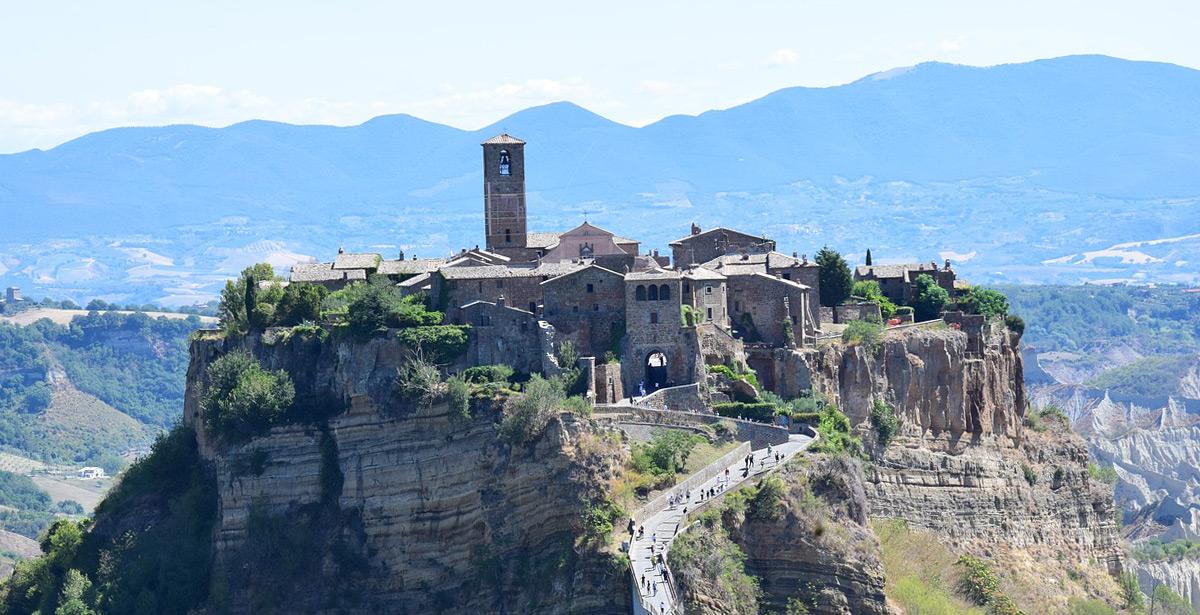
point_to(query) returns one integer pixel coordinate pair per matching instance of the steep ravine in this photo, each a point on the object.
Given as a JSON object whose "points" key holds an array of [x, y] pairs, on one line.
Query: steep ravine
{"points": [[410, 511]]}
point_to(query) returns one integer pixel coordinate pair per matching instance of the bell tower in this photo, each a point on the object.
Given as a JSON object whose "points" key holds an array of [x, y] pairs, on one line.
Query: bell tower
{"points": [[504, 195]]}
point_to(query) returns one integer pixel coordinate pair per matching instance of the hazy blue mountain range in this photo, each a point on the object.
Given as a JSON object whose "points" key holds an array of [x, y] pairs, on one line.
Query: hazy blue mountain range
{"points": [[1070, 169]]}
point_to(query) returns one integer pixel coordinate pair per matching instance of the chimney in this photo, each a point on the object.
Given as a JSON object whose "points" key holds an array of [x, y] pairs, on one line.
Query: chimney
{"points": [[793, 254], [656, 254], [414, 257], [340, 250], [500, 301], [947, 264], [804, 259], [695, 229], [401, 254], [745, 256], [477, 246]]}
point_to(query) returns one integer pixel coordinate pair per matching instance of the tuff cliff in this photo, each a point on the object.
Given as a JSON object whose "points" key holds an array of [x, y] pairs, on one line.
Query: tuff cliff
{"points": [[802, 534], [372, 506], [964, 464]]}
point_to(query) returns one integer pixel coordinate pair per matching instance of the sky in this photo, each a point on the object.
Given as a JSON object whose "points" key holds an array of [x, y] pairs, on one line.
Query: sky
{"points": [[70, 68]]}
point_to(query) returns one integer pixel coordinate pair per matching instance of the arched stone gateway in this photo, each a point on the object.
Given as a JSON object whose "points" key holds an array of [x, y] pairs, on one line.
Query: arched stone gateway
{"points": [[656, 371]]}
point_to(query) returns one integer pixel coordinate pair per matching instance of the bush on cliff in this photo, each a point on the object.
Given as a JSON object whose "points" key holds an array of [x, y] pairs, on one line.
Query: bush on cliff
{"points": [[484, 374], [834, 435], [869, 289], [929, 298], [885, 421], [440, 343], [526, 414], [243, 399], [863, 333], [761, 411], [300, 303], [834, 277], [378, 304], [985, 301], [666, 453]]}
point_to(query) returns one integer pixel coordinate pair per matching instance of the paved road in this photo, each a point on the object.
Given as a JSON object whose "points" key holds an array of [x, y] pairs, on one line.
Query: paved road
{"points": [[661, 528]]}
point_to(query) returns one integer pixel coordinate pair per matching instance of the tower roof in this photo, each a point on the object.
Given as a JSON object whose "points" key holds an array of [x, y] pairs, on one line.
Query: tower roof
{"points": [[503, 139]]}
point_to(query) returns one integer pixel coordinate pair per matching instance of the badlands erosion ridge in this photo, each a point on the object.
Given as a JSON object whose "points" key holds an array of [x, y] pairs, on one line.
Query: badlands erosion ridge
{"points": [[561, 423]]}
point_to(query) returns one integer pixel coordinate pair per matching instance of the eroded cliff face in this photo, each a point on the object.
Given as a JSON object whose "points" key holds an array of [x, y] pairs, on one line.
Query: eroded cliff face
{"points": [[372, 507], [813, 548], [963, 464]]}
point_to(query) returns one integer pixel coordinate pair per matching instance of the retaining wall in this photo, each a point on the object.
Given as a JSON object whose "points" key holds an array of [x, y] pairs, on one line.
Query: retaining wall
{"points": [[694, 481]]}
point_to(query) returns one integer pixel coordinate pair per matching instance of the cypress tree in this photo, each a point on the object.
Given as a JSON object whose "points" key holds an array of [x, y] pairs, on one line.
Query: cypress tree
{"points": [[868, 257], [251, 299]]}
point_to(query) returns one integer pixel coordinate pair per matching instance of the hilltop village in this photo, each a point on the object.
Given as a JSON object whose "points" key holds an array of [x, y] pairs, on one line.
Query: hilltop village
{"points": [[649, 320]]}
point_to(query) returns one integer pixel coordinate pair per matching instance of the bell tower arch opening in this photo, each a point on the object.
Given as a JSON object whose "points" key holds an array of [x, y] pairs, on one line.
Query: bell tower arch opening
{"points": [[504, 216]]}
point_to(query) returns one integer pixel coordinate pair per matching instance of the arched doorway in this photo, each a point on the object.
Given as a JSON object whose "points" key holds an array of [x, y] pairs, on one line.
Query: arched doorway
{"points": [[656, 371]]}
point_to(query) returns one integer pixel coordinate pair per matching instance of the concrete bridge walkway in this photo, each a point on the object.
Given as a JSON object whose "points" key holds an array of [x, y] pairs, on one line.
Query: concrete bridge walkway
{"points": [[662, 527]]}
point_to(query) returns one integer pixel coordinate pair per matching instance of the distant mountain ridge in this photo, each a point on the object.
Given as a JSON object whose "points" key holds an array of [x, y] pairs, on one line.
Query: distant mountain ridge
{"points": [[968, 152]]}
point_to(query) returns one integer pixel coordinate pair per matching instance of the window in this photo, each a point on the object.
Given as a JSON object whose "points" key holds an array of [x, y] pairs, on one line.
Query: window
{"points": [[708, 290], [710, 313], [787, 276], [595, 307], [574, 308], [481, 286], [653, 296], [640, 293], [591, 288], [533, 307], [664, 292], [653, 317], [507, 236], [505, 163], [499, 283], [737, 306], [687, 288]]}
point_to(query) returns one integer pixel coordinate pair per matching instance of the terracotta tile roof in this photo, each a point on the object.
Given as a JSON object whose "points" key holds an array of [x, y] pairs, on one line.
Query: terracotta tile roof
{"points": [[503, 139], [581, 270], [903, 271], [652, 274], [710, 231], [702, 273]]}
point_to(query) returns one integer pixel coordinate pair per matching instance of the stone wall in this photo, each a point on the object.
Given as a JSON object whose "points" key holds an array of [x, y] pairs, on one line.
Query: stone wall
{"points": [[762, 298], [502, 334], [585, 307], [863, 310], [524, 292], [683, 398], [718, 346], [655, 327], [758, 434], [608, 383]]}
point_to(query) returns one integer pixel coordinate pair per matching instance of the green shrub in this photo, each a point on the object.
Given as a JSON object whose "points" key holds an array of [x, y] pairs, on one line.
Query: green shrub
{"points": [[379, 304], [1167, 602], [985, 301], [527, 414], [577, 405], [869, 289], [440, 343], [743, 373], [885, 421], [1015, 323], [1131, 592], [300, 303], [19, 491], [863, 333], [598, 518], [418, 381], [244, 400], [458, 396], [567, 356], [981, 585], [1082, 606], [767, 501], [1030, 474], [482, 374], [1104, 473], [834, 436], [929, 299], [666, 453]]}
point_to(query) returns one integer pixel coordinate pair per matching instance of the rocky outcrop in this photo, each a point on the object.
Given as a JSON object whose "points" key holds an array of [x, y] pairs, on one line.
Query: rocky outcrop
{"points": [[963, 464], [372, 506], [811, 546], [1182, 575]]}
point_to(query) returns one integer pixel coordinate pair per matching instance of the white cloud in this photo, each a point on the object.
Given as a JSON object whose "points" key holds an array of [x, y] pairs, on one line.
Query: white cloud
{"points": [[782, 57]]}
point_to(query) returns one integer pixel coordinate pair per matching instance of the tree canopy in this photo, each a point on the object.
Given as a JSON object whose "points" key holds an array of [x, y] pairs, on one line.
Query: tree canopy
{"points": [[834, 277]]}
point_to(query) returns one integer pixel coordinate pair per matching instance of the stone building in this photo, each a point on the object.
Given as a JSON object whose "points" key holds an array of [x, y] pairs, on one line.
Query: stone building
{"points": [[455, 286], [898, 282], [587, 306], [658, 349], [706, 291], [766, 306], [503, 334], [504, 216], [800, 270], [701, 247]]}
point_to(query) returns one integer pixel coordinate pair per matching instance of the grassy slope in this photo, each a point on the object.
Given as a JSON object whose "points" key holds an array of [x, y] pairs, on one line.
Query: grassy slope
{"points": [[921, 575]]}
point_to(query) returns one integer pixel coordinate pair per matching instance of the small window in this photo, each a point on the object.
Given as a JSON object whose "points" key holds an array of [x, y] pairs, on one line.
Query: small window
{"points": [[687, 288], [640, 293], [499, 283], [481, 286], [595, 307], [505, 163], [653, 295], [708, 290], [787, 276], [654, 318], [737, 306], [533, 307], [664, 292], [591, 288], [574, 308], [710, 313], [507, 236]]}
